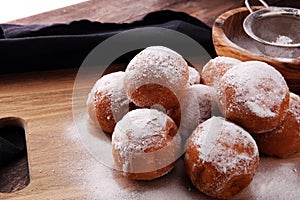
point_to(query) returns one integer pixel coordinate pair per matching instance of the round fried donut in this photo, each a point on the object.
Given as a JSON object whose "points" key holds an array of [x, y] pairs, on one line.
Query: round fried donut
{"points": [[213, 71], [285, 139], [107, 102], [145, 144], [221, 158], [253, 95], [156, 76]]}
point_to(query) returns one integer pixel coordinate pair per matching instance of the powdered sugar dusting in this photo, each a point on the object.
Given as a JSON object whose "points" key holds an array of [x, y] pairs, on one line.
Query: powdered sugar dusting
{"points": [[217, 140], [194, 76], [260, 110], [140, 130], [156, 65], [149, 123], [111, 85], [215, 69], [223, 60], [257, 85]]}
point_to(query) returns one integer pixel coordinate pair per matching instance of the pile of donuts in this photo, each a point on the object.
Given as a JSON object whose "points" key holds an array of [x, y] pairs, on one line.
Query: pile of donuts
{"points": [[160, 109]]}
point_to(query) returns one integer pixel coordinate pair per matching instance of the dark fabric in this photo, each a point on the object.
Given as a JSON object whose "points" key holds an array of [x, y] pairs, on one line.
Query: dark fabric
{"points": [[43, 47]]}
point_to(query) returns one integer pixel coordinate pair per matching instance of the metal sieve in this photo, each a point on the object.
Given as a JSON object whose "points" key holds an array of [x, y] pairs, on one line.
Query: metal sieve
{"points": [[276, 26]]}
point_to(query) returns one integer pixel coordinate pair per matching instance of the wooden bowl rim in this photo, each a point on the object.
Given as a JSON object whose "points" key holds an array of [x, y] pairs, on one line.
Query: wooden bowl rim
{"points": [[218, 29]]}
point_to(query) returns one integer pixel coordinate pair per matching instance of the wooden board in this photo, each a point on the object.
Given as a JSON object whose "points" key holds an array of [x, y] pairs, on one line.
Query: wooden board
{"points": [[127, 10], [61, 167]]}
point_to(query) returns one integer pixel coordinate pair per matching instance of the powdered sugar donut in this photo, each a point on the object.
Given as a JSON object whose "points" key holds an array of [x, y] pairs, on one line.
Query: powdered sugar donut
{"points": [[213, 71], [197, 105], [194, 76], [145, 144], [254, 95], [107, 102], [285, 139], [221, 158], [156, 76]]}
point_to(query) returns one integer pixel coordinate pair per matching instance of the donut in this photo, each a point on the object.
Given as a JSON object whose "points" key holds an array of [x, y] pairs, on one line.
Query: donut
{"points": [[285, 139], [107, 102], [197, 106], [253, 95], [213, 71], [194, 76], [221, 158], [145, 144], [156, 75]]}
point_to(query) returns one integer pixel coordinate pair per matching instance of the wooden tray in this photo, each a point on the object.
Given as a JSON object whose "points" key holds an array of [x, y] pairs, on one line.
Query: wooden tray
{"points": [[61, 167], [231, 40]]}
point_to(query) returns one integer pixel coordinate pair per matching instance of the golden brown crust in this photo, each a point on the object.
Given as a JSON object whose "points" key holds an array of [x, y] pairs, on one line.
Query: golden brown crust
{"points": [[210, 75], [213, 71], [154, 94], [149, 95], [285, 139], [206, 178], [253, 95], [226, 181], [251, 121], [107, 102], [104, 113], [147, 175], [160, 151]]}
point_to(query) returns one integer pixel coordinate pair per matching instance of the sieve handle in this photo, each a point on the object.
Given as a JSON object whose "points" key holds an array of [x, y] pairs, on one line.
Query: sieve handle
{"points": [[249, 6]]}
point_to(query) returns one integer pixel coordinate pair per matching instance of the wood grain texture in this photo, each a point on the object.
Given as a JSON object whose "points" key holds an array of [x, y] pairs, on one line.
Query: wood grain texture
{"points": [[231, 40], [128, 11]]}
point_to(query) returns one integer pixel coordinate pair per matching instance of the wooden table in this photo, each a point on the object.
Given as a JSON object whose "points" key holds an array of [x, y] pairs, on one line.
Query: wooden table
{"points": [[127, 11], [60, 165]]}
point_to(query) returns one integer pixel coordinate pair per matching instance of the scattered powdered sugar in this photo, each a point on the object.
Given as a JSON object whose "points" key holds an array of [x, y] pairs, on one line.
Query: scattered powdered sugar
{"points": [[140, 130], [194, 76], [225, 145], [111, 85], [282, 39], [258, 87], [156, 65]]}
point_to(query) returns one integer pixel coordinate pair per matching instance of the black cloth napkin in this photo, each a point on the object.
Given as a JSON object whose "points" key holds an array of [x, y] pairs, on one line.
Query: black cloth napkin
{"points": [[64, 45]]}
